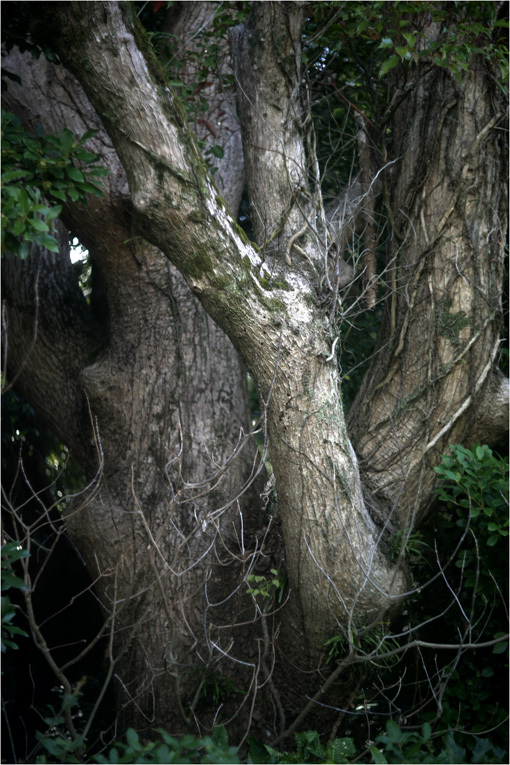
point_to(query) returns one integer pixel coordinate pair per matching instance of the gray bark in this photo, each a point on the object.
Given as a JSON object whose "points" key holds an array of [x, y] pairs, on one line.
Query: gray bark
{"points": [[167, 392], [334, 563], [429, 383], [432, 375], [219, 124]]}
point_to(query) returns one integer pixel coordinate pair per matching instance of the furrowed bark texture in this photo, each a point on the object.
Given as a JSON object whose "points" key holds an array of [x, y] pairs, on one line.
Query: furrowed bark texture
{"points": [[336, 570], [168, 393], [434, 375], [166, 387], [218, 126], [335, 566]]}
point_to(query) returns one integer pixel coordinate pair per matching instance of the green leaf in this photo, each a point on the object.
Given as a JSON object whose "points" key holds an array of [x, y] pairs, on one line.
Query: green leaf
{"points": [[66, 141], [133, 740], [163, 754], [91, 188], [362, 25], [390, 63], [217, 151], [74, 173], [99, 171], [402, 51], [310, 741], [18, 227], [12, 551], [88, 134], [220, 736], [13, 630], [500, 647], [13, 175], [11, 580], [480, 452], [24, 249], [53, 213], [85, 156], [377, 756], [38, 224], [261, 754], [47, 241], [341, 749], [23, 200], [410, 39]]}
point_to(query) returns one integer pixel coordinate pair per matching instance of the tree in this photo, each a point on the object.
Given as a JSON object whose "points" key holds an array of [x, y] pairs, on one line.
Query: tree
{"points": [[150, 395]]}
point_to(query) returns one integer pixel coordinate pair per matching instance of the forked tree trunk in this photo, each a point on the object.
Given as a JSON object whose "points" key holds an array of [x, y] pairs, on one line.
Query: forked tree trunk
{"points": [[337, 573], [269, 318], [168, 557]]}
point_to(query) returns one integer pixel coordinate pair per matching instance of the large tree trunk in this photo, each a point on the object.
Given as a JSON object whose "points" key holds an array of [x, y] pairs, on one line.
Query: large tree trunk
{"points": [[337, 573], [434, 379], [169, 547], [166, 392], [267, 315]]}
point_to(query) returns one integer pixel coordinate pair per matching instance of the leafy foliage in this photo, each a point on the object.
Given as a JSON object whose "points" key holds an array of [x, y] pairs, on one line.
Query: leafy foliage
{"points": [[36, 168], [164, 749], [212, 688], [464, 535], [16, 32], [475, 484], [189, 749], [193, 70], [422, 747], [471, 523], [351, 47], [375, 641], [46, 459], [11, 552], [410, 545], [266, 587], [392, 31], [309, 748], [394, 745], [56, 740]]}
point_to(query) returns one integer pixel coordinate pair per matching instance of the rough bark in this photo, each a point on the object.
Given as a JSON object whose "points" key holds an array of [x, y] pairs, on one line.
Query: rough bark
{"points": [[219, 124], [168, 394], [150, 531], [428, 385], [334, 562], [314, 464]]}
